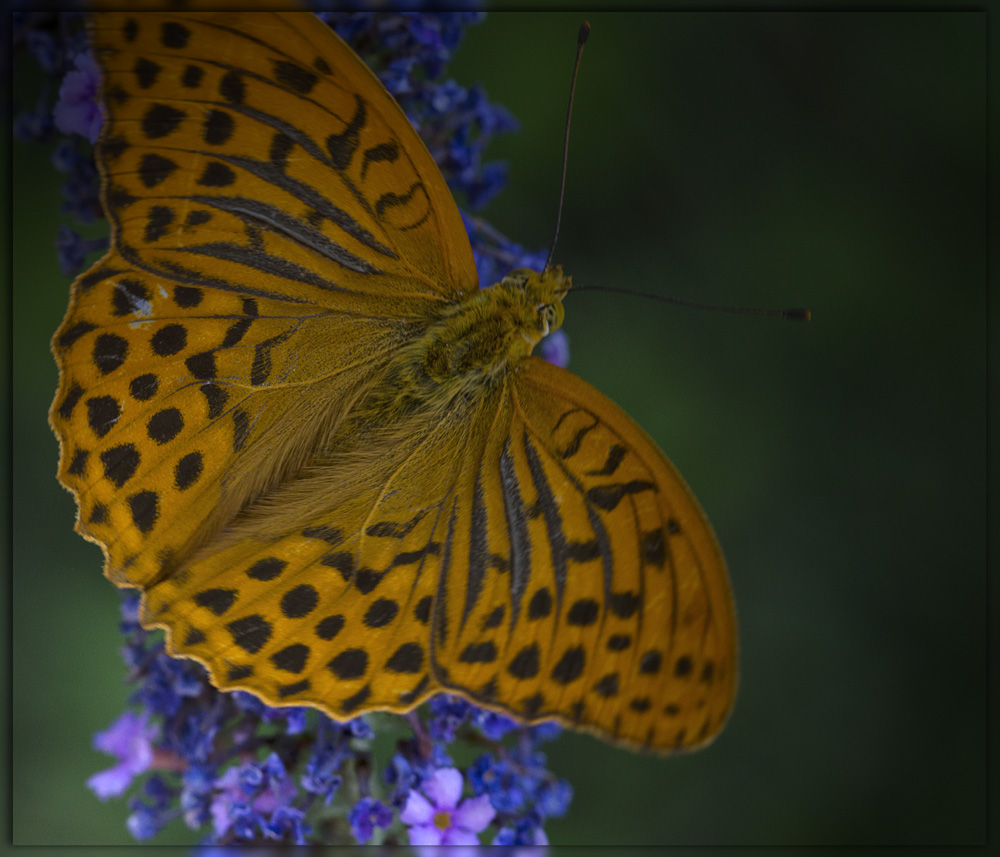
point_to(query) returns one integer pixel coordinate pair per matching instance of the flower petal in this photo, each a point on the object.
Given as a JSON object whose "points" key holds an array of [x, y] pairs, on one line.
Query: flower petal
{"points": [[425, 834], [474, 814], [118, 738], [110, 783], [454, 836], [444, 788], [417, 810]]}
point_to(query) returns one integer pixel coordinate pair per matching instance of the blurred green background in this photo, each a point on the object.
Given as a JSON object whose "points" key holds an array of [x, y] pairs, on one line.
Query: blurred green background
{"points": [[835, 161]]}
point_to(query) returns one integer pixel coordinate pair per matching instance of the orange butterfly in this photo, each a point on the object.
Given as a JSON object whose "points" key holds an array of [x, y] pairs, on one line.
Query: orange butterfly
{"points": [[326, 457]]}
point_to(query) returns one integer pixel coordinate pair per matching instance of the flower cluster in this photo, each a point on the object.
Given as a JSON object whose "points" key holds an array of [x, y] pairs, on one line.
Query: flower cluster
{"points": [[67, 111], [223, 763]]}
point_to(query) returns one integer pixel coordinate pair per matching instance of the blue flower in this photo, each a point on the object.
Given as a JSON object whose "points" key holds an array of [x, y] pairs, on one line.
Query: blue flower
{"points": [[359, 728], [547, 730], [553, 798], [196, 794], [448, 713], [498, 780], [295, 720], [287, 824], [73, 250], [365, 816], [44, 49], [403, 776], [494, 726], [129, 739], [144, 822], [78, 110], [33, 126], [520, 835]]}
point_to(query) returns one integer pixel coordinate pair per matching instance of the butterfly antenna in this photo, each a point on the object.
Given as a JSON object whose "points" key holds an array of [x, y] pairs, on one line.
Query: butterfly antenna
{"points": [[787, 314], [581, 40]]}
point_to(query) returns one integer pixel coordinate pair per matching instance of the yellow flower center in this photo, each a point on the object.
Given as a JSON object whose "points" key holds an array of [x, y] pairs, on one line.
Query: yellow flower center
{"points": [[442, 820]]}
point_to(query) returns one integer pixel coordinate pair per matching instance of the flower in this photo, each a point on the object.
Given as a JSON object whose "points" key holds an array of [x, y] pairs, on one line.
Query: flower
{"points": [[129, 738], [439, 818], [449, 712], [499, 781], [72, 249], [555, 348], [494, 726], [247, 794], [78, 111], [143, 823], [366, 815]]}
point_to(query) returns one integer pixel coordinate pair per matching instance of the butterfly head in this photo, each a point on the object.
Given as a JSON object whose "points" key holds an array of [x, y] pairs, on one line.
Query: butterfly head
{"points": [[543, 295]]}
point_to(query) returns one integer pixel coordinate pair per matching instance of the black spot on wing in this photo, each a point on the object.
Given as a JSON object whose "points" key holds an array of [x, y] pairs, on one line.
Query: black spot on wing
{"points": [[616, 455], [607, 497]]}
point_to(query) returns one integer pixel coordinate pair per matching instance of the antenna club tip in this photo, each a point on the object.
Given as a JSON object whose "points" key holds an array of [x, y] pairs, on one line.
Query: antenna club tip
{"points": [[798, 315], [581, 37]]}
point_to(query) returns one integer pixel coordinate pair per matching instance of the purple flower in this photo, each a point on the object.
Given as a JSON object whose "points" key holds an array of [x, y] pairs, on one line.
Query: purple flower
{"points": [[365, 816], [129, 739], [77, 111], [439, 818]]}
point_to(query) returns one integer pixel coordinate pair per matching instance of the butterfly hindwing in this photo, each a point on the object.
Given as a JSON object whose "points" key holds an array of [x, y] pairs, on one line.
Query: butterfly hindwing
{"points": [[601, 596]]}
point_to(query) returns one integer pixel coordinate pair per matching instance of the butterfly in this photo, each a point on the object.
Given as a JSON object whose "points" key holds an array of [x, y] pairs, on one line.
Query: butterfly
{"points": [[327, 458]]}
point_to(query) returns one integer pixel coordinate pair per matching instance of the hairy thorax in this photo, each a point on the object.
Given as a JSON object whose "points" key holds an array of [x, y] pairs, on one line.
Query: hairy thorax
{"points": [[473, 343]]}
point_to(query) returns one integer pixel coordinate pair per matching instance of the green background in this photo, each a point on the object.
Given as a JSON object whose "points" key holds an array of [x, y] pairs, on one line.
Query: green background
{"points": [[835, 161]]}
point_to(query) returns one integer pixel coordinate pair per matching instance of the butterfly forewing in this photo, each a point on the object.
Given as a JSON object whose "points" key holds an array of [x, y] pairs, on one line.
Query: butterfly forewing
{"points": [[258, 154]]}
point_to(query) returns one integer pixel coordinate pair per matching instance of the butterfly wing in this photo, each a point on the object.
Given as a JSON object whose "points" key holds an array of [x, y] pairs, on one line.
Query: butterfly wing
{"points": [[324, 593], [533, 551], [594, 591], [259, 148], [278, 229]]}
